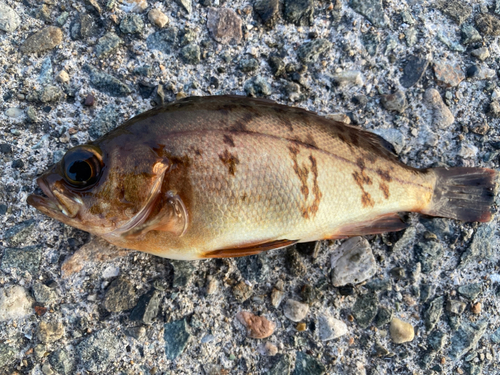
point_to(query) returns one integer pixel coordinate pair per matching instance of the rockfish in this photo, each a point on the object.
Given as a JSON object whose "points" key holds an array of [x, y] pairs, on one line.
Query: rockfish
{"points": [[227, 176]]}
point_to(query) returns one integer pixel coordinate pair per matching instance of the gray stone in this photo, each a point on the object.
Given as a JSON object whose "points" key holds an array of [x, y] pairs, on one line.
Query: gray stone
{"points": [[295, 310], [176, 335], [106, 83], [307, 365], [19, 233], [8, 355], [46, 72], [455, 307], [470, 35], [105, 121], [433, 313], [309, 52], [145, 70], [15, 303], [23, 259], [436, 340], [457, 10], [61, 20], [186, 4], [411, 35], [353, 77], [481, 53], [384, 316], [394, 102], [330, 328], [440, 227], [294, 263], [365, 309], [183, 273], [379, 285], [98, 351], [395, 137], [299, 12], [120, 296], [481, 246], [107, 44], [84, 26], [413, 70], [429, 253], [466, 338], [50, 93], [371, 42], [9, 19], [277, 66], [132, 24], [253, 268], [224, 25], [257, 86], [44, 294], [495, 336], [281, 367], [267, 11], [163, 40], [248, 65], [488, 24], [147, 307], [373, 10], [63, 362], [50, 331], [352, 262], [470, 291], [191, 54]]}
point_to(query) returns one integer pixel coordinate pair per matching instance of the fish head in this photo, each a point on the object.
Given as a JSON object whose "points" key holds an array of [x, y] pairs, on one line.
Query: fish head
{"points": [[113, 188]]}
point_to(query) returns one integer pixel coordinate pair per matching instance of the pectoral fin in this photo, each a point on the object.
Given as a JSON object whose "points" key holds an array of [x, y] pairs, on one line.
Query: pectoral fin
{"points": [[247, 249], [385, 223]]}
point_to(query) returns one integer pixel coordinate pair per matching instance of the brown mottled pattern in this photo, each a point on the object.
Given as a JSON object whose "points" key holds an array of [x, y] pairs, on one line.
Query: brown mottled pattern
{"points": [[230, 161]]}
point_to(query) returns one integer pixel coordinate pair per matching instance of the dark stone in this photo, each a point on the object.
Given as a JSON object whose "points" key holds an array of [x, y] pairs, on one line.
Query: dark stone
{"points": [[24, 259], [433, 313], [309, 52], [107, 44], [360, 100], [456, 10], [346, 290], [470, 291], [176, 337], [85, 26], [488, 24], [472, 71], [191, 54], [5, 148], [132, 24], [17, 164], [145, 70], [281, 366], [480, 247], [394, 102], [159, 95], [371, 42], [3, 209], [43, 40], [106, 83], [146, 89], [384, 316], [436, 340], [147, 307], [427, 291], [63, 362], [106, 120], [365, 309], [277, 65], [466, 338], [299, 12], [248, 65], [307, 365], [98, 351], [440, 227], [120, 296], [183, 272], [267, 11], [8, 355], [89, 100], [413, 70], [294, 263], [379, 285], [163, 40], [253, 268], [398, 273], [428, 253], [470, 35], [257, 87], [373, 10]]}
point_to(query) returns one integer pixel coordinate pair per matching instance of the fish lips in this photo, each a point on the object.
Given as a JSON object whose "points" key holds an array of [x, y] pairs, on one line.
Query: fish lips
{"points": [[59, 203]]}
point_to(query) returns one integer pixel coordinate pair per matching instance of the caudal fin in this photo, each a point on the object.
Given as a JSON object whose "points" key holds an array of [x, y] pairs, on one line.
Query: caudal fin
{"points": [[465, 194]]}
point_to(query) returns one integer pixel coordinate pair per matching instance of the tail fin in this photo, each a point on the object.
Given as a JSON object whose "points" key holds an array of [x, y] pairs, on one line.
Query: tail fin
{"points": [[465, 194]]}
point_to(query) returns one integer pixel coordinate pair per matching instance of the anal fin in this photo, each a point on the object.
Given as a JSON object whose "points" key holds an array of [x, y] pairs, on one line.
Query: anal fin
{"points": [[386, 223], [247, 249]]}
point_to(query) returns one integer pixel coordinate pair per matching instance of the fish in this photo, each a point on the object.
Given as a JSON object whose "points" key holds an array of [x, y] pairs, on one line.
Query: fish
{"points": [[229, 176]]}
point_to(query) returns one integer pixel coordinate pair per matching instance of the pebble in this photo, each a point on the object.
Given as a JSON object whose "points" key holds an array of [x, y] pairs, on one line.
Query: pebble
{"points": [[455, 307], [480, 247], [120, 296], [163, 40], [191, 54], [132, 24], [476, 308], [433, 313], [371, 42], [456, 10], [269, 349], [50, 93], [224, 25], [330, 328], [9, 19], [277, 65], [267, 11], [44, 294], [257, 86], [137, 333], [470, 35], [373, 10], [494, 109], [436, 340], [352, 262], [14, 112], [448, 74], [470, 291], [299, 12], [133, 5], [50, 331], [365, 309], [442, 117], [85, 26], [63, 362], [488, 24], [411, 35], [294, 262], [295, 310], [98, 351], [258, 327], [186, 4], [25, 259], [107, 44], [466, 338], [8, 354], [157, 17], [281, 366], [277, 296], [176, 336], [253, 268], [63, 76], [307, 365], [106, 120], [147, 307], [394, 102], [44, 40], [248, 65], [107, 83], [89, 100], [352, 77], [401, 331], [384, 316], [15, 303], [183, 273], [413, 71], [495, 336], [481, 53], [46, 72], [309, 52], [242, 291]]}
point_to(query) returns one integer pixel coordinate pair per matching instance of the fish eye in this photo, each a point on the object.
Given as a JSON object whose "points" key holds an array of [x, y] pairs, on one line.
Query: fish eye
{"points": [[82, 166]]}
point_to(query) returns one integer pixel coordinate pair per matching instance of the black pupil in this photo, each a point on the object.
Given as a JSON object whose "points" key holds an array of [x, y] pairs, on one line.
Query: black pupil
{"points": [[80, 171]]}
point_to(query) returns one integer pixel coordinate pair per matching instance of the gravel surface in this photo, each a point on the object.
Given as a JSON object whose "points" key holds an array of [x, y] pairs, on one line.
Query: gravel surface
{"points": [[422, 74]]}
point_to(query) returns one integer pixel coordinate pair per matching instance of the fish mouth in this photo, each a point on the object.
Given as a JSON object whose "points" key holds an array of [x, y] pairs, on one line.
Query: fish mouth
{"points": [[56, 203]]}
